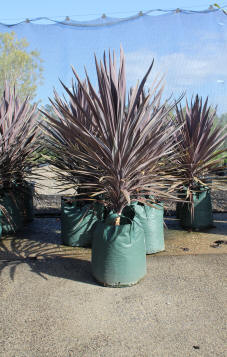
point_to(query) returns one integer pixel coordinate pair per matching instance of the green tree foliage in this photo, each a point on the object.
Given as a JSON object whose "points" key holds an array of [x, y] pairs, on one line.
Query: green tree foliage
{"points": [[219, 7], [19, 65], [49, 109]]}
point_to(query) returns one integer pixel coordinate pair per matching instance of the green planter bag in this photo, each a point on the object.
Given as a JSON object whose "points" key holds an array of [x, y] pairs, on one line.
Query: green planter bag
{"points": [[151, 219], [203, 217], [178, 209], [77, 222], [118, 252], [24, 195], [0, 224], [14, 223]]}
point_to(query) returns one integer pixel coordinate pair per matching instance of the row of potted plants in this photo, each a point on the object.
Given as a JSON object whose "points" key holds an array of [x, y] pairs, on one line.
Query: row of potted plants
{"points": [[19, 139], [124, 154]]}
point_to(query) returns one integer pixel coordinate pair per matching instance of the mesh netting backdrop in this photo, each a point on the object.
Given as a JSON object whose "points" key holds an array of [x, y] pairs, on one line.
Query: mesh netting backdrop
{"points": [[190, 49]]}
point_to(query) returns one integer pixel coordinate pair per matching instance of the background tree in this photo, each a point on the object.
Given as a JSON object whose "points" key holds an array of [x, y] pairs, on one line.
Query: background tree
{"points": [[219, 7], [49, 109], [19, 65]]}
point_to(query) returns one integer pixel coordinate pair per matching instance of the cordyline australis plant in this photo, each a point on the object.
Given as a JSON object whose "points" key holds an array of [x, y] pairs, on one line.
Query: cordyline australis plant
{"points": [[18, 138], [109, 147], [200, 143]]}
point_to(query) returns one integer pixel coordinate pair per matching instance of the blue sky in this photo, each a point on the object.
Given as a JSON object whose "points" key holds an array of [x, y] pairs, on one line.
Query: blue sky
{"points": [[89, 9], [189, 50]]}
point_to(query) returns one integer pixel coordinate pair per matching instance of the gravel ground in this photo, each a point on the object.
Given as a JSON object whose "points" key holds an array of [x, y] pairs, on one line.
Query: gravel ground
{"points": [[49, 200], [219, 203], [53, 307]]}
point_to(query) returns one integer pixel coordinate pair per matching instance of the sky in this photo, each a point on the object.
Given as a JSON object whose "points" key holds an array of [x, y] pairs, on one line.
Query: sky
{"points": [[90, 9], [189, 50]]}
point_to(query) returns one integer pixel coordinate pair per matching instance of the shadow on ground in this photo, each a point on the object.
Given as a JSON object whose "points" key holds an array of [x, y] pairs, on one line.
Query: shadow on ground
{"points": [[46, 259], [220, 225], [61, 267], [44, 230], [40, 246]]}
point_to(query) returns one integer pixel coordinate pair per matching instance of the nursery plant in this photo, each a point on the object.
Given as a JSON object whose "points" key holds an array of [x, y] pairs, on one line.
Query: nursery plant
{"points": [[201, 150], [112, 148], [18, 141], [77, 216]]}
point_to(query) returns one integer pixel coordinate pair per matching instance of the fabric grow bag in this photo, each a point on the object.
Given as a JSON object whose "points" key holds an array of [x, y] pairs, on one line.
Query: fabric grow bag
{"points": [[24, 195], [0, 224], [203, 217], [178, 209], [151, 219], [118, 252], [77, 222], [8, 200]]}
